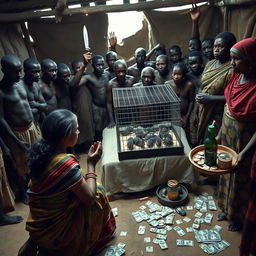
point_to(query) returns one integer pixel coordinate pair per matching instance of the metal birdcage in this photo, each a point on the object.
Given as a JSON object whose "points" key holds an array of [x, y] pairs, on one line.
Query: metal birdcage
{"points": [[147, 121]]}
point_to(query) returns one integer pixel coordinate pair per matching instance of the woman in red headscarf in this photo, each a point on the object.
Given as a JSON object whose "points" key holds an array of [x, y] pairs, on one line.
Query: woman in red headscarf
{"points": [[238, 128]]}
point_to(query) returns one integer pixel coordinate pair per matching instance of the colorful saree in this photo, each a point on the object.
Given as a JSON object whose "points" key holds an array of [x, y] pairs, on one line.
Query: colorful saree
{"points": [[214, 81], [233, 188], [59, 223]]}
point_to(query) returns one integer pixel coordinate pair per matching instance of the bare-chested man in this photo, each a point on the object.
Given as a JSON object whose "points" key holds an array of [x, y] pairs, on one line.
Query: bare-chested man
{"points": [[121, 80], [135, 70], [96, 82], [147, 77], [32, 70], [111, 58], [185, 90], [62, 87], [82, 106], [162, 72], [49, 73], [16, 117]]}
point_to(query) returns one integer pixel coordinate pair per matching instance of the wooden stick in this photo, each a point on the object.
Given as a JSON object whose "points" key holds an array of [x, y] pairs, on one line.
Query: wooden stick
{"points": [[28, 43], [141, 6], [17, 5]]}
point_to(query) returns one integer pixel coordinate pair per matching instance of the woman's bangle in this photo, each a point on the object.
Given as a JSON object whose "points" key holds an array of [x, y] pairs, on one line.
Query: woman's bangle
{"points": [[90, 177], [93, 173]]}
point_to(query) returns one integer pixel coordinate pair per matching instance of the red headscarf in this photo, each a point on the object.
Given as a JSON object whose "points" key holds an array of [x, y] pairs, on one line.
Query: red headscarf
{"points": [[241, 98]]}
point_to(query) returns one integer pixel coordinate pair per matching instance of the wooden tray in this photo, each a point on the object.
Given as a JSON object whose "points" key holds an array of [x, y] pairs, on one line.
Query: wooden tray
{"points": [[221, 148]]}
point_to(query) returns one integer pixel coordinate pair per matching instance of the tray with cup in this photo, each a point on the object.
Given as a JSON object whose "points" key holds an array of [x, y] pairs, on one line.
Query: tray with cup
{"points": [[226, 160]]}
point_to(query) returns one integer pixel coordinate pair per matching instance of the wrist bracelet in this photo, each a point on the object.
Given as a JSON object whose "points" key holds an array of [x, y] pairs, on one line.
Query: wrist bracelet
{"points": [[92, 177], [93, 173]]}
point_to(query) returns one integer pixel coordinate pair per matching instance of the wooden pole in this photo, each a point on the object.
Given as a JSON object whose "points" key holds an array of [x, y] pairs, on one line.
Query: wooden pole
{"points": [[18, 5], [28, 43], [141, 6]]}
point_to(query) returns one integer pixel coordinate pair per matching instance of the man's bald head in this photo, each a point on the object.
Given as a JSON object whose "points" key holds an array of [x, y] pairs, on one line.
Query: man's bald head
{"points": [[11, 67], [9, 62], [30, 63], [120, 63], [32, 69], [46, 63], [49, 69], [64, 72]]}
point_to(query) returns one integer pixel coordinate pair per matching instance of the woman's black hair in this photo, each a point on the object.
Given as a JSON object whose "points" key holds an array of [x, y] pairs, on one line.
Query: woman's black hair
{"points": [[56, 126], [229, 38]]}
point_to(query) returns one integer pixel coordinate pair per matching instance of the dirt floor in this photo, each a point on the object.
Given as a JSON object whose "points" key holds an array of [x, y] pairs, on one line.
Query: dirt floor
{"points": [[13, 236]]}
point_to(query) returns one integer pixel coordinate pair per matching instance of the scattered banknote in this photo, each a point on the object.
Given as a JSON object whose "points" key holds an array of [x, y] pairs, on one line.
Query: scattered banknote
{"points": [[180, 242], [208, 218], [217, 227], [198, 215], [121, 245], [141, 230], [163, 245], [190, 207], [207, 236], [149, 249], [179, 222], [196, 226], [147, 239], [189, 229], [179, 231], [203, 207], [197, 221], [169, 219], [114, 251], [115, 212], [123, 233], [162, 237], [212, 206], [187, 219], [168, 228], [155, 241], [214, 247], [142, 207], [137, 216]]}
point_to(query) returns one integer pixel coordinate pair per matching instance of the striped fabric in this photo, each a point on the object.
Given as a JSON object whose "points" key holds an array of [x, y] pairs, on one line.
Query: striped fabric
{"points": [[59, 223], [60, 175]]}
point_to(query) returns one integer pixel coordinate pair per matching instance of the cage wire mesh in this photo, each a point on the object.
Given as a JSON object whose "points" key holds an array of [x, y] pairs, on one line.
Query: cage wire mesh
{"points": [[147, 117], [146, 105]]}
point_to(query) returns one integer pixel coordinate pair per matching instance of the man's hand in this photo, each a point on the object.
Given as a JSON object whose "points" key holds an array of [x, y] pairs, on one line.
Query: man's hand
{"points": [[112, 39], [33, 104], [87, 57], [203, 98], [195, 12]]}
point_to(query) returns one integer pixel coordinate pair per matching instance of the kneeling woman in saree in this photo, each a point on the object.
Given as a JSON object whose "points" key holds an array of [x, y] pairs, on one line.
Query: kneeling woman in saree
{"points": [[69, 211]]}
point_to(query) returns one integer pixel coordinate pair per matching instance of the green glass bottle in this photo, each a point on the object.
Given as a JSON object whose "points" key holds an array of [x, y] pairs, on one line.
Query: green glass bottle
{"points": [[210, 147]]}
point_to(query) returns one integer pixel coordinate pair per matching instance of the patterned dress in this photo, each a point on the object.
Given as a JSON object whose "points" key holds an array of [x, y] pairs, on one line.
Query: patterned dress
{"points": [[59, 223]]}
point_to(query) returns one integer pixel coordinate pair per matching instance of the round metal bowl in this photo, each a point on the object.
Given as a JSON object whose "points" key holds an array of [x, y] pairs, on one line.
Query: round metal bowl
{"points": [[164, 200]]}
